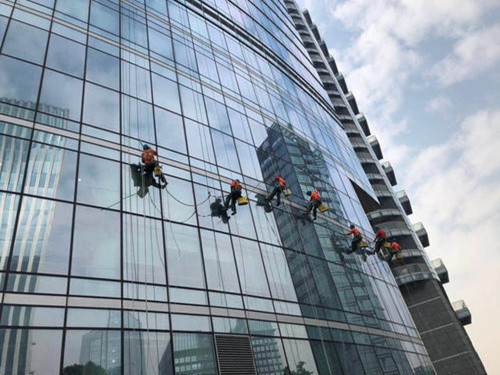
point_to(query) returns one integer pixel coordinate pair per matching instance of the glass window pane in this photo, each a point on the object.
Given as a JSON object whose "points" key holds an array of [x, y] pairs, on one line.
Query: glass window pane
{"points": [[143, 255], [95, 288], [37, 284], [184, 263], [26, 42], [20, 81], [61, 92], [269, 355], [98, 181], [96, 244], [190, 323], [43, 237], [13, 154], [51, 171], [219, 262], [278, 273], [137, 121], [32, 316], [194, 351], [250, 268], [101, 107], [136, 81], [166, 93], [199, 141], [170, 130], [92, 352], [300, 356], [147, 353], [66, 55], [104, 18], [78, 9], [230, 325], [94, 318], [103, 69], [38, 351], [7, 218], [181, 208]]}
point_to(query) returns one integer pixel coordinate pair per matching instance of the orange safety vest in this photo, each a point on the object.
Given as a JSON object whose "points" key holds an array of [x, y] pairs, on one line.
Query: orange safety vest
{"points": [[315, 196], [355, 232], [235, 185], [148, 156], [381, 234], [395, 246], [280, 181]]}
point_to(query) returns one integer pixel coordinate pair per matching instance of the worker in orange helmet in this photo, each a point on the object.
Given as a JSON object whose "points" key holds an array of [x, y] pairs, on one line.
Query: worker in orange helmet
{"points": [[150, 163], [356, 239], [233, 196], [279, 187], [314, 203], [380, 239], [394, 250]]}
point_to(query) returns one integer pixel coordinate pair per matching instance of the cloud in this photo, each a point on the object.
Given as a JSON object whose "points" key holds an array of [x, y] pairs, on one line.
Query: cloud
{"points": [[439, 103], [473, 54], [454, 191]]}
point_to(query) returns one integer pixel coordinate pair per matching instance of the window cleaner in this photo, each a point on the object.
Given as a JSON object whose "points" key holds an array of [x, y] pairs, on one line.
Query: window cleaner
{"points": [[314, 203], [279, 187], [151, 164], [356, 241], [394, 250], [233, 196], [380, 239]]}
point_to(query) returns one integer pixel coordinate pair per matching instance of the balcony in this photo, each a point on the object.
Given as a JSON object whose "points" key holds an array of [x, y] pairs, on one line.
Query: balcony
{"points": [[384, 212], [462, 312], [342, 83], [358, 143], [421, 233], [389, 172], [333, 65], [363, 123], [412, 272], [352, 102], [375, 146], [405, 201], [395, 228], [441, 270], [381, 190]]}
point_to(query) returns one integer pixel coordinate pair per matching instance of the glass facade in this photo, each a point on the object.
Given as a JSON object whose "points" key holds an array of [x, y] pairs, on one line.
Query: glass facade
{"points": [[97, 280]]}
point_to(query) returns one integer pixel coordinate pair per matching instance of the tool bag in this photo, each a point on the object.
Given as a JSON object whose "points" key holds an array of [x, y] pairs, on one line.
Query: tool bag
{"points": [[242, 201], [287, 192], [323, 208], [157, 171], [387, 245], [363, 244]]}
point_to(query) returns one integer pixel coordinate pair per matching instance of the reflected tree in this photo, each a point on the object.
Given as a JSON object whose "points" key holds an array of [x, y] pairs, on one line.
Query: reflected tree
{"points": [[300, 370], [90, 368]]}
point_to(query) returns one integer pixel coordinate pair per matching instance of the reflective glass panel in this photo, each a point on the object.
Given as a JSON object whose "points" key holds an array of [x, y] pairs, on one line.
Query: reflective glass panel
{"points": [[147, 353], [43, 237], [61, 92], [66, 56], [92, 351], [26, 42], [36, 350], [194, 353], [96, 244]]}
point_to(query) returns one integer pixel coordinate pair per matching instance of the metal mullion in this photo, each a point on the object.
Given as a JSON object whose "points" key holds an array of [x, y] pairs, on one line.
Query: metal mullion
{"points": [[75, 192]]}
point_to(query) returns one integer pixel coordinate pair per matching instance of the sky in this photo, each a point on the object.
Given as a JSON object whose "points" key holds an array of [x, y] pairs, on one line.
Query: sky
{"points": [[426, 74]]}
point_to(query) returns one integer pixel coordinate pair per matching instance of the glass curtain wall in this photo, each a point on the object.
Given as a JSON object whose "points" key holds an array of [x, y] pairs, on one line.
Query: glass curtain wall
{"points": [[98, 279]]}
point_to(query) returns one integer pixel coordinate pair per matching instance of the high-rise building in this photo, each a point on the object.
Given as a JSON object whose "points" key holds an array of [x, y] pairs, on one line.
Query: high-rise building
{"points": [[97, 279], [439, 322]]}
